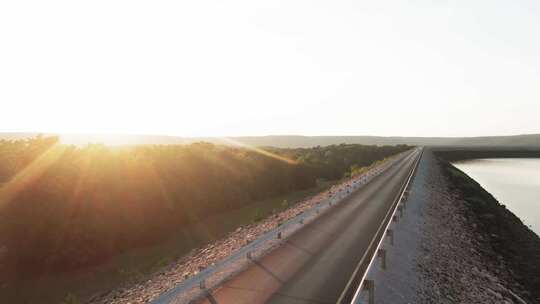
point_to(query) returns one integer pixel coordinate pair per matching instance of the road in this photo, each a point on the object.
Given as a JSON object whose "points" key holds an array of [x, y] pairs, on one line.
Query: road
{"points": [[315, 264]]}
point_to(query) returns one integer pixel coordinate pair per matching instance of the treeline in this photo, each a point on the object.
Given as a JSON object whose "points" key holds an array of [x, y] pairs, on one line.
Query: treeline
{"points": [[64, 207], [335, 161]]}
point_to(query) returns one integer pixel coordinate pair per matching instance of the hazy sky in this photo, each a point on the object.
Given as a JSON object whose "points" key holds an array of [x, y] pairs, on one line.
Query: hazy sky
{"points": [[198, 68]]}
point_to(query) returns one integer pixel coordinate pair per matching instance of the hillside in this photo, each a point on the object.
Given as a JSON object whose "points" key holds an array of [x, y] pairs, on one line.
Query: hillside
{"points": [[298, 141], [311, 141]]}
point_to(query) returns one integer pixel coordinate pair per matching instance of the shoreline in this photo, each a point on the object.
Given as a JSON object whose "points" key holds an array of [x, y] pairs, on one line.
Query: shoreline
{"points": [[511, 181], [515, 245]]}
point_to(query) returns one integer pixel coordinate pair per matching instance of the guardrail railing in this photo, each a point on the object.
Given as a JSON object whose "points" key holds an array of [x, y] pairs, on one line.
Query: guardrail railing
{"points": [[199, 285], [357, 283]]}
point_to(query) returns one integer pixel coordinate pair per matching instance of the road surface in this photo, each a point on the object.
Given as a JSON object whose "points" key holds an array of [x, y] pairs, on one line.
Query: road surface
{"points": [[315, 264]]}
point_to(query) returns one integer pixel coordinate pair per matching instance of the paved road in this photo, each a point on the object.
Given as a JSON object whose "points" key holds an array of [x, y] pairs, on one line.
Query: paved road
{"points": [[314, 265]]}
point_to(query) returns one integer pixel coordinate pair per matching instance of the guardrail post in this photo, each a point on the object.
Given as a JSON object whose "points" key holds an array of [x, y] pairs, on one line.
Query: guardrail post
{"points": [[249, 256], [394, 218], [390, 234], [381, 254], [279, 235], [369, 286], [202, 284]]}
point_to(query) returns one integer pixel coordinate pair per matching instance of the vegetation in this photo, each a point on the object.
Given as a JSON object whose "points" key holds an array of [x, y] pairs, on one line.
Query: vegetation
{"points": [[66, 207]]}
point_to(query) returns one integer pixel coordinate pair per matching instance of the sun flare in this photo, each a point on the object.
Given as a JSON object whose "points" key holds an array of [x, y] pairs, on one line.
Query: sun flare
{"points": [[104, 139]]}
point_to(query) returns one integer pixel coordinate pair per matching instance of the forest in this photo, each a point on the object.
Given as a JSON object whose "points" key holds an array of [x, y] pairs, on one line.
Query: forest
{"points": [[65, 207]]}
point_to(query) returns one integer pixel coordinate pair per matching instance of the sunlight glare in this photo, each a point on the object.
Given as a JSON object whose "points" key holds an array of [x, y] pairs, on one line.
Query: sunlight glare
{"points": [[29, 174], [81, 140], [230, 141]]}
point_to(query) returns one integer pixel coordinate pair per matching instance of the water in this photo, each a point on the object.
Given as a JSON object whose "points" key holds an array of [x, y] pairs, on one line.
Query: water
{"points": [[514, 182]]}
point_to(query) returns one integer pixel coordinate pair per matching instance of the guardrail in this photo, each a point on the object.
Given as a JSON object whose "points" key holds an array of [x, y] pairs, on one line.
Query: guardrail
{"points": [[357, 283], [199, 285]]}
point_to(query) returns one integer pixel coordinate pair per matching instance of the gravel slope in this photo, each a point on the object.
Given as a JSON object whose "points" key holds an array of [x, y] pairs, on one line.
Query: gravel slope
{"points": [[441, 254]]}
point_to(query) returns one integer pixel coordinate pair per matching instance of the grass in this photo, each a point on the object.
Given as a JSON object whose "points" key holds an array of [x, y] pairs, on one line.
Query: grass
{"points": [[135, 265]]}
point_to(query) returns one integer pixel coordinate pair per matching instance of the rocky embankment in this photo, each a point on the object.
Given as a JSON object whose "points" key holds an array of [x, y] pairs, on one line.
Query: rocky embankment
{"points": [[472, 249]]}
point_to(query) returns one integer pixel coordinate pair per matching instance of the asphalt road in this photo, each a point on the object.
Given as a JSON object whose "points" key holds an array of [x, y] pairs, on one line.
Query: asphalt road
{"points": [[315, 264]]}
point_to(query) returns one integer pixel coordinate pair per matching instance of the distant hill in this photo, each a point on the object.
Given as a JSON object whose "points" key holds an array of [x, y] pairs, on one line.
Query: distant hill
{"points": [[310, 141], [298, 141]]}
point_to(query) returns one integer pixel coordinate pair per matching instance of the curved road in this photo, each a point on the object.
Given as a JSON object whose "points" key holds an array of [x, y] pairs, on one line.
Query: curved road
{"points": [[315, 264]]}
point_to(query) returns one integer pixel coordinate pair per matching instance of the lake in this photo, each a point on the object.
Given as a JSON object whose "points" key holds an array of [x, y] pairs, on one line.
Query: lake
{"points": [[514, 182]]}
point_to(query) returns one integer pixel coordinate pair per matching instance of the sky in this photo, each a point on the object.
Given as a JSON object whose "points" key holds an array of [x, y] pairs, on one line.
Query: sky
{"points": [[231, 68]]}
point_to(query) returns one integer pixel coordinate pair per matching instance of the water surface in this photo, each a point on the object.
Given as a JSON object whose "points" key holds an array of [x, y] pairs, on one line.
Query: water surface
{"points": [[514, 182]]}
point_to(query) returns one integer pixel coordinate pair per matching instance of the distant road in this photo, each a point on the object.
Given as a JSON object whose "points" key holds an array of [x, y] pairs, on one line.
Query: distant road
{"points": [[315, 264]]}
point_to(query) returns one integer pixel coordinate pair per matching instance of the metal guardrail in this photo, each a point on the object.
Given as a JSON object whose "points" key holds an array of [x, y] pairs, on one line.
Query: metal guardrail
{"points": [[198, 286], [358, 281]]}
